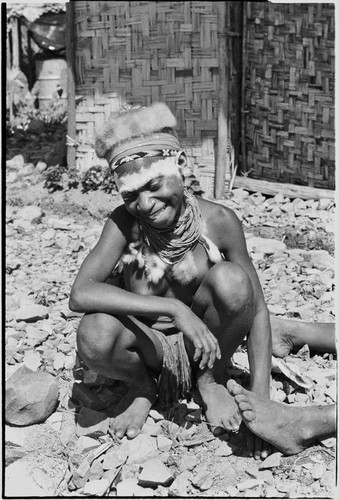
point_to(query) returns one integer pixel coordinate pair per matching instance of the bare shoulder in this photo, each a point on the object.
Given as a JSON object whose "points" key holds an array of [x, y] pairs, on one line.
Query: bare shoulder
{"points": [[221, 223], [216, 215]]}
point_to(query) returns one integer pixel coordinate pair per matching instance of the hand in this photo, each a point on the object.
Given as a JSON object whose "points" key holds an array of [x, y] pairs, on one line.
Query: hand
{"points": [[205, 343]]}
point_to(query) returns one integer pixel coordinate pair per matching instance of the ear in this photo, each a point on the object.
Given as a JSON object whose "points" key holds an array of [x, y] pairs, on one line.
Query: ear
{"points": [[182, 162]]}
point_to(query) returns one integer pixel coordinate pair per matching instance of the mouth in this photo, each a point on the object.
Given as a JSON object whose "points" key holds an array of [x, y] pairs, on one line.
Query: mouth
{"points": [[156, 215]]}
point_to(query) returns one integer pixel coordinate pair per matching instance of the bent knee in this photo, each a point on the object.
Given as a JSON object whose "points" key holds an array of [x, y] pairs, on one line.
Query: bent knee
{"points": [[96, 337], [231, 285]]}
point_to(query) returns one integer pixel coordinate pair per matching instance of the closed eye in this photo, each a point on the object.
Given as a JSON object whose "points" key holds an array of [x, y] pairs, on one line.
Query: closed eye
{"points": [[129, 195]]}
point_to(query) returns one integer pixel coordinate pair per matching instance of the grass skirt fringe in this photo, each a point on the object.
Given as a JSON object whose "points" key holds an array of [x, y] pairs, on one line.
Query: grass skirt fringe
{"points": [[175, 380]]}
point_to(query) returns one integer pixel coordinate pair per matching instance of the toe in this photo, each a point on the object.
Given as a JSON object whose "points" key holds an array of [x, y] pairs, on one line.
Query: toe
{"points": [[244, 405], [248, 415], [132, 432], [218, 431], [233, 387]]}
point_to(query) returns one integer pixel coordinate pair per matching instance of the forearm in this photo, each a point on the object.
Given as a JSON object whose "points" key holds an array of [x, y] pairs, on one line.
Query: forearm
{"points": [[259, 348], [104, 298]]}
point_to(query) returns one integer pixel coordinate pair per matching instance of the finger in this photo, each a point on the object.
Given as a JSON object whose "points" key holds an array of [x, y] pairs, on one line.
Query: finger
{"points": [[197, 353], [216, 346], [204, 359], [211, 352]]}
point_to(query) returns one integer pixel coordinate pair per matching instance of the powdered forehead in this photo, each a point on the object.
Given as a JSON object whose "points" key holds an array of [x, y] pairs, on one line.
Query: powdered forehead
{"points": [[134, 175]]}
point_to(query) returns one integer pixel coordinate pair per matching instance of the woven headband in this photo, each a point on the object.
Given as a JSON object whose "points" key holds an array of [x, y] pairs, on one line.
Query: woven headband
{"points": [[163, 143], [144, 154]]}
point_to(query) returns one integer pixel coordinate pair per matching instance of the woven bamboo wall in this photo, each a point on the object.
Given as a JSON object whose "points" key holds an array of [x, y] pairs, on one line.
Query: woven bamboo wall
{"points": [[289, 120], [141, 52]]}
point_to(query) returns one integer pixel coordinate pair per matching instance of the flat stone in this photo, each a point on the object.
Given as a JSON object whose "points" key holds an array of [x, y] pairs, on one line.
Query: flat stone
{"points": [[318, 471], [164, 443], [20, 481], [276, 309], [225, 449], [328, 479], [321, 259], [155, 473], [141, 448], [128, 488], [59, 361], [85, 444], [324, 203], [97, 487], [152, 428], [55, 421], [271, 461], [31, 313], [32, 360], [16, 163], [267, 246], [180, 485], [188, 462], [232, 491], [35, 336], [115, 457], [248, 484], [202, 475], [240, 194], [16, 435], [31, 397], [59, 223], [31, 213], [91, 423], [155, 415]]}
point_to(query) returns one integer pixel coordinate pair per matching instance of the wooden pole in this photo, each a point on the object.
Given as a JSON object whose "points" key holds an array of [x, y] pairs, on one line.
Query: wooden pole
{"points": [[288, 190], [70, 58], [237, 65], [244, 167], [8, 49], [15, 43], [221, 166], [30, 60]]}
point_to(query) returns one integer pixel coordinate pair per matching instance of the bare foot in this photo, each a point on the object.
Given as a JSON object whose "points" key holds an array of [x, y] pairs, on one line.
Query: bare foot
{"points": [[131, 412], [282, 339], [220, 408], [281, 425]]}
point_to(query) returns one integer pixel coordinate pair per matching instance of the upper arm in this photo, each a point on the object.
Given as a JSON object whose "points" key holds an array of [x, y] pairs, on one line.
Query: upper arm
{"points": [[102, 259], [233, 246]]}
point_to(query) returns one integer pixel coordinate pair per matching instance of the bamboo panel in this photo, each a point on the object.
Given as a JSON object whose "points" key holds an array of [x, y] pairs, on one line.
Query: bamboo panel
{"points": [[141, 52], [290, 64]]}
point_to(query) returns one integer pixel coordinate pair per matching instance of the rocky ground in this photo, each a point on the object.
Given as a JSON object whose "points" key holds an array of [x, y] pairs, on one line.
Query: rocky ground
{"points": [[73, 453]]}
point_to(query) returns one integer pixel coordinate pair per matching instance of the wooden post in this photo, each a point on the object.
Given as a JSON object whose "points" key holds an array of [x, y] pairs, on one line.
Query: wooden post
{"points": [[8, 50], [244, 167], [15, 43], [236, 57], [221, 166], [30, 60], [70, 58]]}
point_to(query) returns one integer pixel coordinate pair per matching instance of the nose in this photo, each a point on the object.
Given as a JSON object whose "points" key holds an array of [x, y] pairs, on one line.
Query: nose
{"points": [[145, 202]]}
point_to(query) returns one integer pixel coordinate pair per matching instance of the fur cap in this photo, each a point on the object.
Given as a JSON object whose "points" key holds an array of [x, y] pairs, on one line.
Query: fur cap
{"points": [[132, 123]]}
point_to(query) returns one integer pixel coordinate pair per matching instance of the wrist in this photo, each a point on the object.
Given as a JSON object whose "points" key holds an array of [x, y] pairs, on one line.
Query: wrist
{"points": [[174, 307]]}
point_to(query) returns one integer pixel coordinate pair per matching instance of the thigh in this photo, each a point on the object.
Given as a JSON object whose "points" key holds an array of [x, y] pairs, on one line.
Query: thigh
{"points": [[100, 333]]}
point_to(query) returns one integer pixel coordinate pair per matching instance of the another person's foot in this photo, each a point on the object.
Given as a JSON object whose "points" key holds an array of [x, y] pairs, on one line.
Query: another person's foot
{"points": [[131, 412], [221, 411], [281, 425], [282, 340]]}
